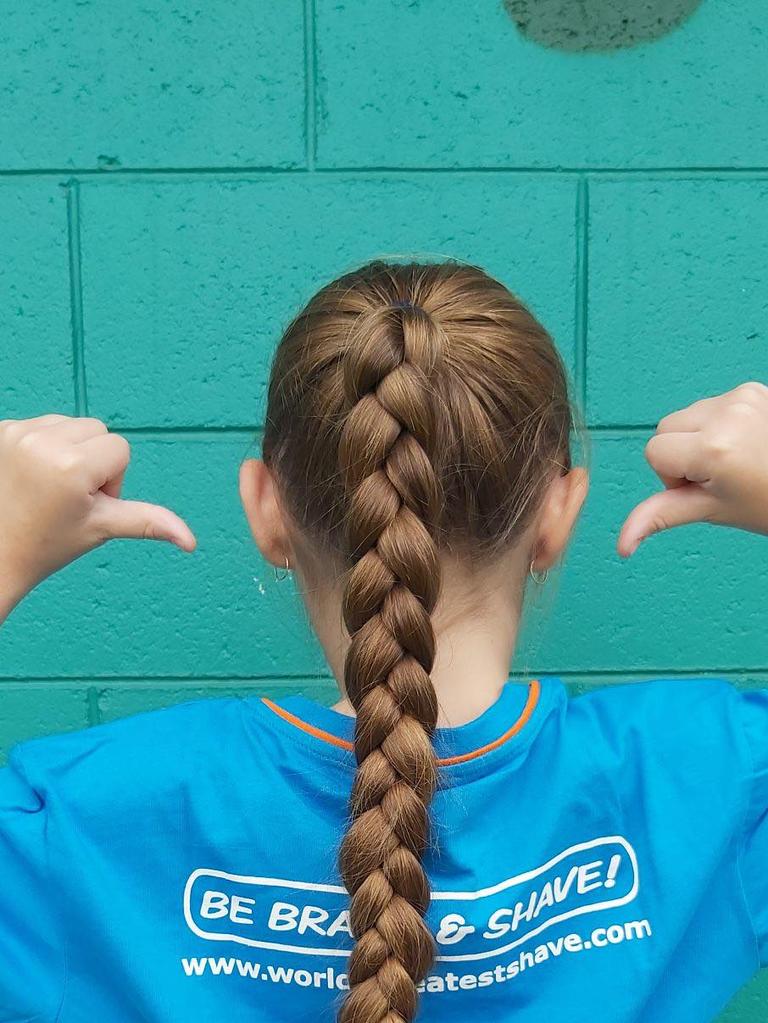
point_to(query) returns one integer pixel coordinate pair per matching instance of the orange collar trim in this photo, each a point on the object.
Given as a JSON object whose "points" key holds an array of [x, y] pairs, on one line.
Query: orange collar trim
{"points": [[534, 691]]}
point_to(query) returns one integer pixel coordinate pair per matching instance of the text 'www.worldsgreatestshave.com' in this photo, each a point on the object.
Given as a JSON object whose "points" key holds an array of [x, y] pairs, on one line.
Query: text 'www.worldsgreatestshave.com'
{"points": [[335, 980]]}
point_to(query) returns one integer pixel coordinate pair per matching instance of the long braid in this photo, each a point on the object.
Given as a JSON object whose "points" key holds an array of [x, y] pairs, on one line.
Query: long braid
{"points": [[393, 433], [389, 441]]}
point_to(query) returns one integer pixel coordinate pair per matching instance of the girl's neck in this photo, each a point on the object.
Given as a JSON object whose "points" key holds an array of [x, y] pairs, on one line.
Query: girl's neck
{"points": [[469, 673], [476, 626]]}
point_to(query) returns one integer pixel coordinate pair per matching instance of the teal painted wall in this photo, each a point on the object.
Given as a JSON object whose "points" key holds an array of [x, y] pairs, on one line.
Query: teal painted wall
{"points": [[175, 179]]}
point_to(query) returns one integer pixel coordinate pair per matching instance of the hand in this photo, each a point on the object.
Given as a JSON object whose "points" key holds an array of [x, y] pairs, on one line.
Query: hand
{"points": [[60, 481], [712, 458]]}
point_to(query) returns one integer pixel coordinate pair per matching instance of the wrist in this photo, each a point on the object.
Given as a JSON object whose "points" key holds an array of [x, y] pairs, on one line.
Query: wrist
{"points": [[13, 588]]}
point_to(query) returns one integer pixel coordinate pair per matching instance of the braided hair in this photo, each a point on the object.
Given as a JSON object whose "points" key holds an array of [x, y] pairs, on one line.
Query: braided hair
{"points": [[387, 448], [412, 408]]}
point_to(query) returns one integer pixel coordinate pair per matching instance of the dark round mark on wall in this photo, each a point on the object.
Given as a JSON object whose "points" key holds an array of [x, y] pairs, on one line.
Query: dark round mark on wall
{"points": [[108, 162], [598, 25]]}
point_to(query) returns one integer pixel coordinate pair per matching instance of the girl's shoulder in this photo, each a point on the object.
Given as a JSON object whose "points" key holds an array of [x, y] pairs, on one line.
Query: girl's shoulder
{"points": [[659, 696], [148, 754], [687, 720]]}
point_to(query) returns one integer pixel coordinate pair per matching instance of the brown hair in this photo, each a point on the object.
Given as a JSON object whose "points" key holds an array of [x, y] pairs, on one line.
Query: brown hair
{"points": [[412, 409]]}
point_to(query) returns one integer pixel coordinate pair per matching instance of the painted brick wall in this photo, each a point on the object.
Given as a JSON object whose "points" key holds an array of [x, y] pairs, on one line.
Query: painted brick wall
{"points": [[175, 179]]}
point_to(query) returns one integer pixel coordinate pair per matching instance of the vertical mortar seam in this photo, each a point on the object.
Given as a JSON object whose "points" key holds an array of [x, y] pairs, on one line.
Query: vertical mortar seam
{"points": [[310, 84], [93, 707], [581, 314], [76, 298]]}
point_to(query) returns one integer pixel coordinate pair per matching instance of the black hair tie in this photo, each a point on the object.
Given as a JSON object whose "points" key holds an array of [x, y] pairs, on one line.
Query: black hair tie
{"points": [[405, 304]]}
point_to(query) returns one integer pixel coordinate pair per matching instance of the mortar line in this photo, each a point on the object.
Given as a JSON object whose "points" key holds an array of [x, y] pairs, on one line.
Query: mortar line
{"points": [[581, 312], [618, 429], [194, 431], [78, 681], [94, 708], [254, 431], [76, 298], [758, 173], [584, 674], [553, 170], [310, 83]]}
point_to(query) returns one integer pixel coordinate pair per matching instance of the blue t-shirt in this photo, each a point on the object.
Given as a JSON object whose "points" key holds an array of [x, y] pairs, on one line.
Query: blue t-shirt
{"points": [[600, 857]]}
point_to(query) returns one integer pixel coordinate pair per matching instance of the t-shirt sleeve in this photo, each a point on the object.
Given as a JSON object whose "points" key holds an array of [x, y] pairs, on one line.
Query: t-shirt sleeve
{"points": [[753, 712], [31, 950]]}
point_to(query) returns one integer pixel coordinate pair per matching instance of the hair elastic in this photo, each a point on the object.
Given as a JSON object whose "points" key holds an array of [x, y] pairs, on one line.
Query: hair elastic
{"points": [[405, 304]]}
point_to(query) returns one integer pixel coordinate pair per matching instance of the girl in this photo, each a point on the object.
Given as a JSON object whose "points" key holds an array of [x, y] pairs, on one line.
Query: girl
{"points": [[507, 853]]}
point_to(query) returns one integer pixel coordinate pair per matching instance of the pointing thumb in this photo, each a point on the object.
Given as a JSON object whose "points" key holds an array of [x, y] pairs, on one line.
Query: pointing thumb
{"points": [[677, 506], [138, 520]]}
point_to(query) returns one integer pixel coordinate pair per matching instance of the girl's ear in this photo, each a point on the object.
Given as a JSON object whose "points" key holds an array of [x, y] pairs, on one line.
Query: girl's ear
{"points": [[558, 516], [258, 494]]}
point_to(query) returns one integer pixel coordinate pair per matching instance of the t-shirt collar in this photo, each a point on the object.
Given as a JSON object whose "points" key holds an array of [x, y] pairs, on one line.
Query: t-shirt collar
{"points": [[508, 723]]}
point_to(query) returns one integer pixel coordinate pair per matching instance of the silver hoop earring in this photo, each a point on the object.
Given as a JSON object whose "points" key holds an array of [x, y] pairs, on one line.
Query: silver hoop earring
{"points": [[538, 577], [280, 574]]}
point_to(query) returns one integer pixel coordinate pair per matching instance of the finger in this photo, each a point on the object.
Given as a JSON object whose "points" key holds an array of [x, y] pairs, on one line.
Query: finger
{"points": [[48, 420], [691, 418], [78, 430], [678, 458], [114, 486], [38, 422], [699, 413], [106, 458], [665, 510], [138, 520]]}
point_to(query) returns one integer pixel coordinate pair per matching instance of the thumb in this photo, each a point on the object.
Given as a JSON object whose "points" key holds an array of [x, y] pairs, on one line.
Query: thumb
{"points": [[677, 506], [138, 520]]}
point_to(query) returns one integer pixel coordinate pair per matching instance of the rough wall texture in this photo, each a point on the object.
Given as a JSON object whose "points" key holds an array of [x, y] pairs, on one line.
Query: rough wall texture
{"points": [[175, 179]]}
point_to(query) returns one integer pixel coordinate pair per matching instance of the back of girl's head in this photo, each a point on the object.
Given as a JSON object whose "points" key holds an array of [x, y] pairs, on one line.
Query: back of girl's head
{"points": [[413, 410]]}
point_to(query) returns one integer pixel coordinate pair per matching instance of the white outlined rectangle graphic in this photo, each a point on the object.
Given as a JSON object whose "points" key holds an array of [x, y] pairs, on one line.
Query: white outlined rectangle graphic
{"points": [[312, 919]]}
